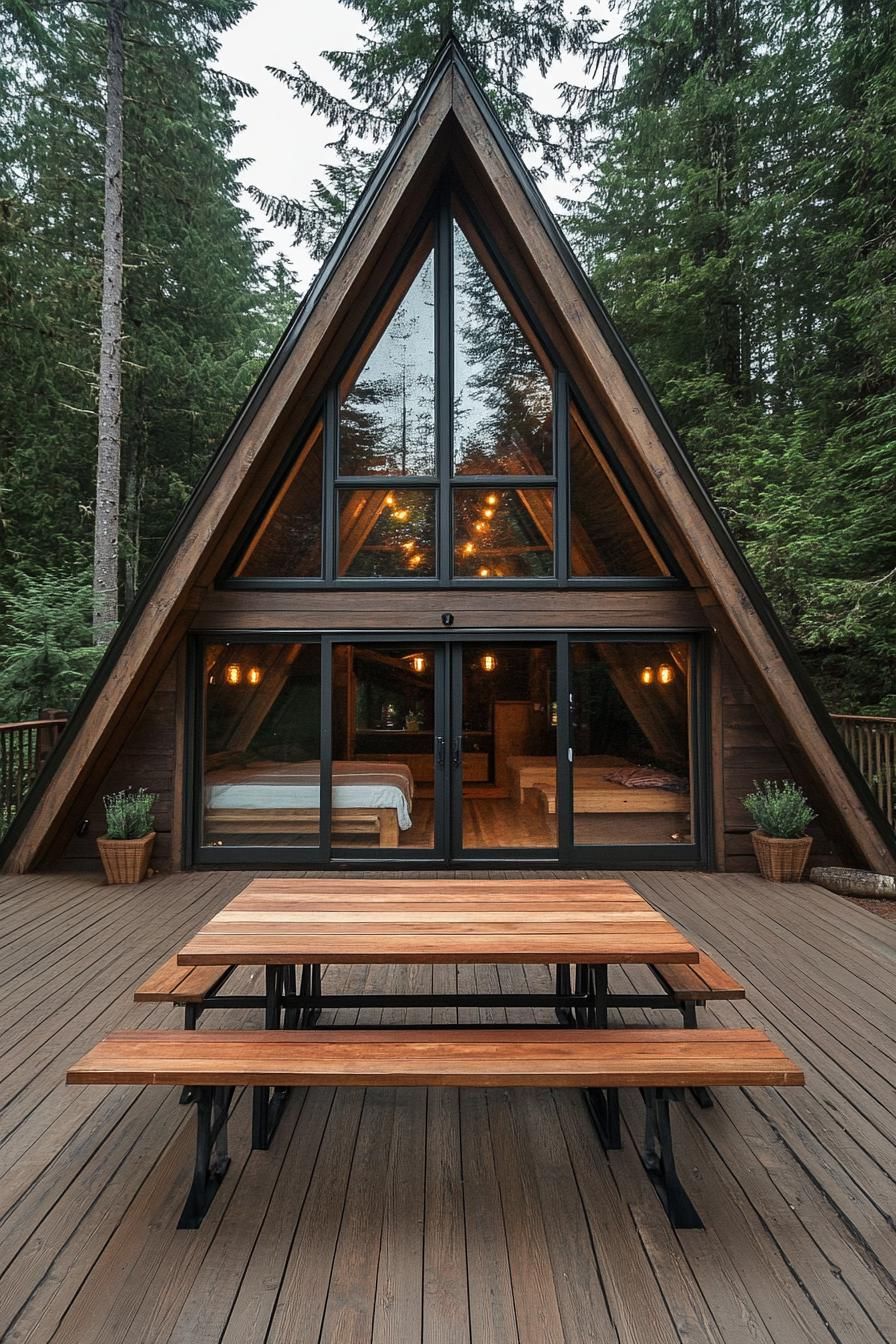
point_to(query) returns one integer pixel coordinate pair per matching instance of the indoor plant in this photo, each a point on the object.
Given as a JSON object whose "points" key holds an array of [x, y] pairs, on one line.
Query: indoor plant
{"points": [[781, 813], [130, 832]]}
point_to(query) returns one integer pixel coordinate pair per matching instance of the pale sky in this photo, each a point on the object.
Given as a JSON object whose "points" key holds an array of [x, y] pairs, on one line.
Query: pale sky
{"points": [[286, 143]]}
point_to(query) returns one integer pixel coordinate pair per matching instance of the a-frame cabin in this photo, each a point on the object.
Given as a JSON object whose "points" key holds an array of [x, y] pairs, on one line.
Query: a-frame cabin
{"points": [[450, 591]]}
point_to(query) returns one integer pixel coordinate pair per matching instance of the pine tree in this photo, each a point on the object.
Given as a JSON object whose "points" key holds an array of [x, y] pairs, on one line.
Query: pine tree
{"points": [[501, 38]]}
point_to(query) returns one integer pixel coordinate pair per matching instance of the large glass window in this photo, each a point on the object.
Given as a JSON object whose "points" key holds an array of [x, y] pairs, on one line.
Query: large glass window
{"points": [[503, 397], [447, 464], [261, 765], [387, 416], [631, 743], [287, 542]]}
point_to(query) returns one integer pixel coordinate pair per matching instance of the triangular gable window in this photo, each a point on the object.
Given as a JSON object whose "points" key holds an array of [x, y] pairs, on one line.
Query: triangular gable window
{"points": [[447, 461]]}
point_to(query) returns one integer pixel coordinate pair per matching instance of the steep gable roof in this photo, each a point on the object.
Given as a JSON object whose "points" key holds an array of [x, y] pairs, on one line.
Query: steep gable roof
{"points": [[450, 120]]}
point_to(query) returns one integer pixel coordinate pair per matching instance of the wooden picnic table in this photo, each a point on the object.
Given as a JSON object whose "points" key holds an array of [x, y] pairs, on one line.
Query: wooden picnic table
{"points": [[296, 921], [284, 923]]}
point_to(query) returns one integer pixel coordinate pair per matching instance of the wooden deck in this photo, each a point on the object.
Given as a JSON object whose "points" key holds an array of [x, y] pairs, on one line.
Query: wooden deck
{"points": [[403, 1215]]}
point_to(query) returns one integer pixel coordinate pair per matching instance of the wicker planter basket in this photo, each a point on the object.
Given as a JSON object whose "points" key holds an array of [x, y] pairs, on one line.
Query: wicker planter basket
{"points": [[781, 860], [125, 860]]}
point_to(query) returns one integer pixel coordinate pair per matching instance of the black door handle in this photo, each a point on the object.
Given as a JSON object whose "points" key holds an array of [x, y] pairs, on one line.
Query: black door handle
{"points": [[440, 751], [458, 748]]}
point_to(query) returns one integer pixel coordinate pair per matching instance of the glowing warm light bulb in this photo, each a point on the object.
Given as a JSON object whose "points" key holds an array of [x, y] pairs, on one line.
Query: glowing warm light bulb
{"points": [[390, 500], [418, 662], [488, 662], [647, 675], [664, 674], [401, 515], [488, 513], [408, 545], [254, 675], [484, 573], [491, 499], [480, 527], [233, 674], [469, 548], [415, 560]]}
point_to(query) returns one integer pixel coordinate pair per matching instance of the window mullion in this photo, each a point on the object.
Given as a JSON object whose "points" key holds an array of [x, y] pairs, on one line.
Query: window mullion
{"points": [[444, 386]]}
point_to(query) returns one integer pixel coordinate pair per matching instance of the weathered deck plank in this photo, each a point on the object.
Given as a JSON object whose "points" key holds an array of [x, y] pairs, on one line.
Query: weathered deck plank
{"points": [[400, 1215]]}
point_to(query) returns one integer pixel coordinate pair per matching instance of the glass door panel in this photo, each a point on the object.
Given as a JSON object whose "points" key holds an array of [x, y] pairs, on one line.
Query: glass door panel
{"points": [[505, 752], [388, 755], [632, 773], [261, 757]]}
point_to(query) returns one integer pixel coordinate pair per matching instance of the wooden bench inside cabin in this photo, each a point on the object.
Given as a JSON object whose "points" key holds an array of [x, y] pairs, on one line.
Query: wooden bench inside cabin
{"points": [[660, 1062], [599, 798], [379, 821]]}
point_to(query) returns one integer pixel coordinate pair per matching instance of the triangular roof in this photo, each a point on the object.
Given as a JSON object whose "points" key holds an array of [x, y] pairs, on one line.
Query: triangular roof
{"points": [[451, 121]]}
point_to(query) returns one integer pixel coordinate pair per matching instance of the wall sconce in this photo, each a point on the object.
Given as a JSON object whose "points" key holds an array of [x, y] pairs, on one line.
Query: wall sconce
{"points": [[418, 662], [488, 662], [647, 676], [664, 674], [254, 676], [233, 674]]}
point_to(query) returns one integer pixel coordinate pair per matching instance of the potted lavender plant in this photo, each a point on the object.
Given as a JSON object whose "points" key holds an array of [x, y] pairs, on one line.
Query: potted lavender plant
{"points": [[126, 847], [781, 813]]}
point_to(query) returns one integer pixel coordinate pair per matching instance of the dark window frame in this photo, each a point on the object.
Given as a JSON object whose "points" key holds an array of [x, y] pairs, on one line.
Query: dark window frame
{"points": [[439, 219]]}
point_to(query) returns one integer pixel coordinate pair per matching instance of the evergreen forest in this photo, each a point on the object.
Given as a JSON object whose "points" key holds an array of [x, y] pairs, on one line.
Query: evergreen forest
{"points": [[728, 179]]}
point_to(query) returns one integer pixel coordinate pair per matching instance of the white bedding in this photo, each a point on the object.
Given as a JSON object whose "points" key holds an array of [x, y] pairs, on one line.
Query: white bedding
{"points": [[273, 784]]}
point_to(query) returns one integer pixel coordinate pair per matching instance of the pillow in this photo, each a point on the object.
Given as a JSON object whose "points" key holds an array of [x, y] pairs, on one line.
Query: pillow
{"points": [[647, 777]]}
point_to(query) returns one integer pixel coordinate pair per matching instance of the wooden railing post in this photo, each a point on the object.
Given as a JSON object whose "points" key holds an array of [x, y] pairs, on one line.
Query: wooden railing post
{"points": [[872, 741]]}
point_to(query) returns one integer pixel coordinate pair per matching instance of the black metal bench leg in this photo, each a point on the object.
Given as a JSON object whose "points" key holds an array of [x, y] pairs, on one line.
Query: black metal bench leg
{"points": [[597, 981], [563, 985], [191, 1017], [212, 1157], [659, 1158], [603, 1103], [701, 1095], [291, 1016]]}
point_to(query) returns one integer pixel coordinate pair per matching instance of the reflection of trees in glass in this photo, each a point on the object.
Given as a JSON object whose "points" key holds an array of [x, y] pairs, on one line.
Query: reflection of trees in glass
{"points": [[503, 400], [387, 421], [503, 534]]}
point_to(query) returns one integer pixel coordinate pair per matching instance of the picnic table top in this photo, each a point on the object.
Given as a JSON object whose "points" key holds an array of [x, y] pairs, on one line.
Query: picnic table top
{"points": [[284, 921]]}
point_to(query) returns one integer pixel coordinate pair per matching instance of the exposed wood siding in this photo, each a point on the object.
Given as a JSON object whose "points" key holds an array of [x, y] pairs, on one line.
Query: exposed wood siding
{"points": [[243, 610], [149, 758], [748, 754]]}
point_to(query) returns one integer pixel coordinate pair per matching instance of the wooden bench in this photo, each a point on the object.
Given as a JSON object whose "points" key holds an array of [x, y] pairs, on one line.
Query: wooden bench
{"points": [[188, 986], [593, 799], [658, 1061]]}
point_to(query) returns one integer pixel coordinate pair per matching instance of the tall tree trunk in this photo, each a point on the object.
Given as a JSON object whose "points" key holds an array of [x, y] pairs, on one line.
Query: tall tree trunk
{"points": [[108, 462]]}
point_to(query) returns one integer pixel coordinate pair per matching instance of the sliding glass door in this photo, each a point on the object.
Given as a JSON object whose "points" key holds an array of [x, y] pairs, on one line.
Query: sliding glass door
{"points": [[589, 750]]}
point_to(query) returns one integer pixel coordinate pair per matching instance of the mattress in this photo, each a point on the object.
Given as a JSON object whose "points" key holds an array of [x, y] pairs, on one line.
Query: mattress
{"points": [[273, 784]]}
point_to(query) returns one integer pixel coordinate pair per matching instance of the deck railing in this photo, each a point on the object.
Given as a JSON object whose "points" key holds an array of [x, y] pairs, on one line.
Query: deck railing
{"points": [[872, 742], [23, 749]]}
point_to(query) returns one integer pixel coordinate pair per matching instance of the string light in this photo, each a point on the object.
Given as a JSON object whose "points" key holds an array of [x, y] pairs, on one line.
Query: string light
{"points": [[415, 560], [469, 548], [484, 573], [401, 515], [480, 527], [491, 499], [488, 513], [390, 500]]}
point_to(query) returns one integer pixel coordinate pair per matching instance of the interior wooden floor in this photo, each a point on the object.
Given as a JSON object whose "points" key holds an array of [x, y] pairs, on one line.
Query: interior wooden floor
{"points": [[437, 1216]]}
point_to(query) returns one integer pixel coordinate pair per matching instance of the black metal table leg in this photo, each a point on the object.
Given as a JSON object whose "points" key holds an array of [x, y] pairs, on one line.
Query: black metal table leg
{"points": [[563, 985], [263, 1121], [659, 1158], [597, 992], [212, 1157], [314, 1013]]}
